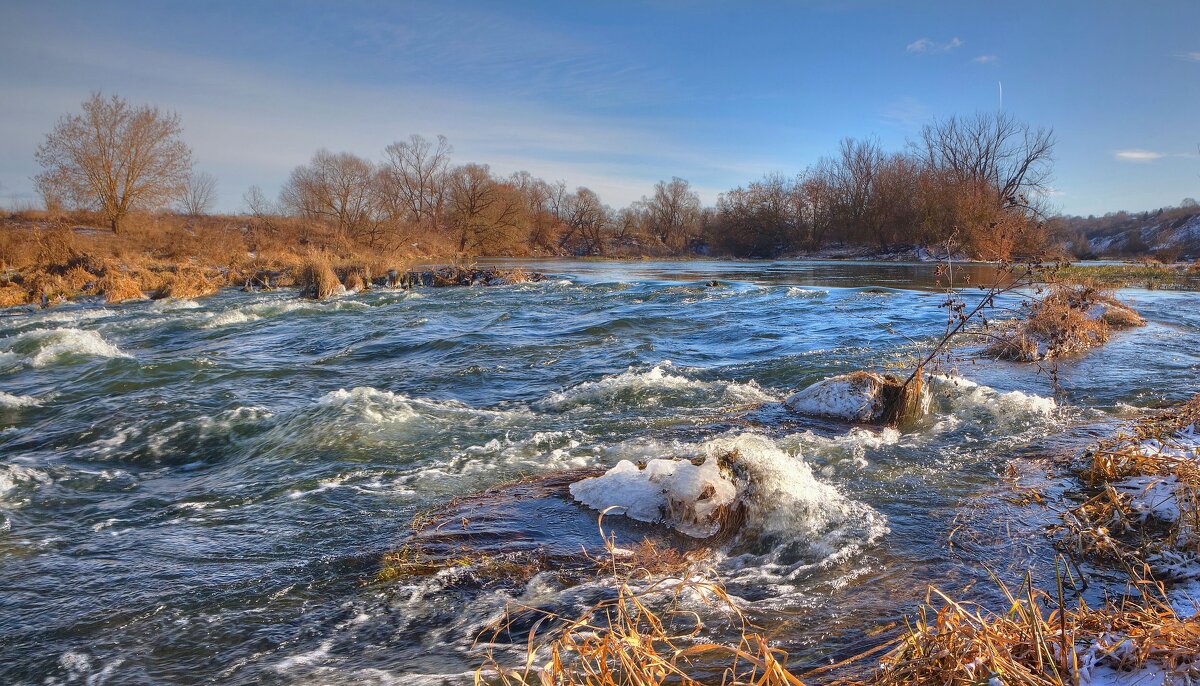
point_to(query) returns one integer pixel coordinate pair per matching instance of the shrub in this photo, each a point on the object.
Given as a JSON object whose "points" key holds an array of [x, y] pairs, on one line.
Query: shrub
{"points": [[317, 280]]}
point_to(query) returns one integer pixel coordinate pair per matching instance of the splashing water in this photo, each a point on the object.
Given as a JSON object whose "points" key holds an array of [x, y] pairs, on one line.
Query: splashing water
{"points": [[220, 478]]}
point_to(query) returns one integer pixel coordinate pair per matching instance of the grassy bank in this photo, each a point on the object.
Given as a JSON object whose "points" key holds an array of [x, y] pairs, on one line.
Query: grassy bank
{"points": [[1185, 277]]}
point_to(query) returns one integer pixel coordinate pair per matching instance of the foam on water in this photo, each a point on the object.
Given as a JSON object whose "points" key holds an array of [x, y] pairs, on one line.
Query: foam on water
{"points": [[275, 307], [13, 401], [45, 347], [799, 292], [956, 395], [792, 519], [16, 479], [662, 383]]}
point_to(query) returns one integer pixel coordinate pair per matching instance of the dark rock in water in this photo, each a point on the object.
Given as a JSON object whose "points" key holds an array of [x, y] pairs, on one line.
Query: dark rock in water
{"points": [[714, 284], [501, 535], [458, 276]]}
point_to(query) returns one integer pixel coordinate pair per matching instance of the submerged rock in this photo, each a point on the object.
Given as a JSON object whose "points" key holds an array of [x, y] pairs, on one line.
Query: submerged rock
{"points": [[459, 276], [860, 396]]}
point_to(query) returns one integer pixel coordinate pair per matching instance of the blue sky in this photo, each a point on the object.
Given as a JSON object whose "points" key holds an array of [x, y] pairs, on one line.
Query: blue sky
{"points": [[617, 95]]}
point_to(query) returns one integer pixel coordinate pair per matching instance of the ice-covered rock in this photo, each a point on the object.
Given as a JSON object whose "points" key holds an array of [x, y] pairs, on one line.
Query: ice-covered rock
{"points": [[856, 397], [685, 496]]}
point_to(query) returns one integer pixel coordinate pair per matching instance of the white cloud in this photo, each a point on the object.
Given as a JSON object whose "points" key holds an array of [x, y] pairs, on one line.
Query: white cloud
{"points": [[985, 59], [930, 45], [1188, 56], [1138, 155]]}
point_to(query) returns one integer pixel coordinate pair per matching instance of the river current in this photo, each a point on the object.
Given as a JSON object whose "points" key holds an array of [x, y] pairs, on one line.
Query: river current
{"points": [[203, 492]]}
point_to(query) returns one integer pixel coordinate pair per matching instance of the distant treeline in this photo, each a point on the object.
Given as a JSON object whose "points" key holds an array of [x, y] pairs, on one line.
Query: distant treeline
{"points": [[976, 183]]}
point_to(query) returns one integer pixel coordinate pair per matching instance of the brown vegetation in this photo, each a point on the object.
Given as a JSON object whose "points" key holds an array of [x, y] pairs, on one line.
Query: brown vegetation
{"points": [[1148, 463], [116, 286], [187, 282], [1070, 319], [317, 280]]}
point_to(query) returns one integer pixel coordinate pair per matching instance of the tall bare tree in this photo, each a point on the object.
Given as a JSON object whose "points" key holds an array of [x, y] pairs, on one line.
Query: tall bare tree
{"points": [[415, 175], [674, 212], [200, 194], [336, 188], [995, 152], [115, 158], [482, 211]]}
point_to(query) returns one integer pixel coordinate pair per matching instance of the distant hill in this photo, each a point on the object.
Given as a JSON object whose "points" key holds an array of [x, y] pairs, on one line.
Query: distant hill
{"points": [[1168, 234]]}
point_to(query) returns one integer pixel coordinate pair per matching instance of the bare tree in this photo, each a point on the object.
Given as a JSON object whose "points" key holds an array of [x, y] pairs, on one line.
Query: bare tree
{"points": [[115, 158], [994, 152], [483, 213], [337, 188], [674, 212], [415, 177], [200, 194], [586, 220]]}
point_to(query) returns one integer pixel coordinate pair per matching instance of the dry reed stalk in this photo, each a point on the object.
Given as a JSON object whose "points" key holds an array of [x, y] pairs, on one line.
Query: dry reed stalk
{"points": [[959, 644], [643, 636], [186, 283], [118, 287], [317, 280], [1072, 318]]}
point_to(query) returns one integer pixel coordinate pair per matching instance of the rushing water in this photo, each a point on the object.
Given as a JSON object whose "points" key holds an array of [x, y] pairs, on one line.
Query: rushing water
{"points": [[203, 491]]}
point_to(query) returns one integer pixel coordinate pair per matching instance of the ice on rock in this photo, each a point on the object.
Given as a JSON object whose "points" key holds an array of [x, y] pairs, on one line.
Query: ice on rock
{"points": [[678, 493], [855, 397]]}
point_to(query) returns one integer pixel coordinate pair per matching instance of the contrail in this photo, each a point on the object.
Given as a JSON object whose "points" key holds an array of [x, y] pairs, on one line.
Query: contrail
{"points": [[1001, 84]]}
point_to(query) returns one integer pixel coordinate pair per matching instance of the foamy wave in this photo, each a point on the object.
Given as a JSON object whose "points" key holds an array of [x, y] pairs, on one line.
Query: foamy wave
{"points": [[848, 449], [957, 395], [792, 519], [650, 388], [43, 347], [10, 400], [366, 416], [171, 304], [798, 292], [16, 478], [274, 308]]}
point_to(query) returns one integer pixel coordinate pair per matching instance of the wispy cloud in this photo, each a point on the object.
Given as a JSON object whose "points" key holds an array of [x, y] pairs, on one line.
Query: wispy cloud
{"points": [[930, 45], [985, 59], [1135, 155], [907, 113], [1188, 56]]}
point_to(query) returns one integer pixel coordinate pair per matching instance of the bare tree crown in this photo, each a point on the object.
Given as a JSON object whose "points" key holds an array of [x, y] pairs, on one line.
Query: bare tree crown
{"points": [[115, 158]]}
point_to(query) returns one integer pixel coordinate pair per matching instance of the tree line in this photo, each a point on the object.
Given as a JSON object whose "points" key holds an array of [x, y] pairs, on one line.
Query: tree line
{"points": [[978, 182]]}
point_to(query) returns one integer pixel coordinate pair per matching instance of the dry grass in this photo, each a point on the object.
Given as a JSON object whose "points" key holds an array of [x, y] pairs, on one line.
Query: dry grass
{"points": [[185, 283], [317, 280], [1037, 642], [1109, 526], [1070, 319], [12, 295], [118, 287], [354, 281], [644, 635]]}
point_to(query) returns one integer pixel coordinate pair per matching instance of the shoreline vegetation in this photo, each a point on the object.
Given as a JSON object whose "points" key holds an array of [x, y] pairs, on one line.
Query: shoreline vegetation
{"points": [[44, 262], [971, 187], [1138, 522]]}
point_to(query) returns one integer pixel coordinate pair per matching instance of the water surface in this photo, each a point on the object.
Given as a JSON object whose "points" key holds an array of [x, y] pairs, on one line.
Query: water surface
{"points": [[202, 491]]}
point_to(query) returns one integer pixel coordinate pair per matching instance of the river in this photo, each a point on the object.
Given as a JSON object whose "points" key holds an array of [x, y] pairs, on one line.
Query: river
{"points": [[203, 492]]}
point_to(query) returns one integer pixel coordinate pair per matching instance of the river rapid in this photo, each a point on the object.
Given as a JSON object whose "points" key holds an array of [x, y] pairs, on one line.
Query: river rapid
{"points": [[203, 492]]}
